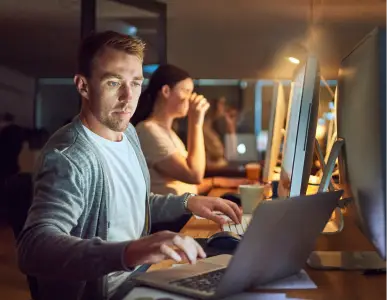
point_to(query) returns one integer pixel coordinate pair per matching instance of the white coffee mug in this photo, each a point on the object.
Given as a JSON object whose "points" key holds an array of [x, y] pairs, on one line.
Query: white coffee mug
{"points": [[251, 195]]}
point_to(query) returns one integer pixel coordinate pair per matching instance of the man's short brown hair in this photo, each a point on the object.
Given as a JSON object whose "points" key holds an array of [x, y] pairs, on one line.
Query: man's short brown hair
{"points": [[94, 44]]}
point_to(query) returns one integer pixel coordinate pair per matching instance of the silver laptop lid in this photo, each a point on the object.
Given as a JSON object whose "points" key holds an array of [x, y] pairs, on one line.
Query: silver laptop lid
{"points": [[278, 241], [277, 244]]}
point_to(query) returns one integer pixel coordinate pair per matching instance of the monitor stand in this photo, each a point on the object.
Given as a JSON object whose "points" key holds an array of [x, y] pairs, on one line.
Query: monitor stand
{"points": [[367, 261], [329, 167], [336, 223]]}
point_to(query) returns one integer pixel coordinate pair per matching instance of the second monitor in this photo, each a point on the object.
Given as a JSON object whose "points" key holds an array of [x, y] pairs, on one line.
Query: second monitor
{"points": [[297, 155], [277, 120]]}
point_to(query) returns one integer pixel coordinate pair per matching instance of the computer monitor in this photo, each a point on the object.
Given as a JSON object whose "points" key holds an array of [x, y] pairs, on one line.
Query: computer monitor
{"points": [[332, 127], [277, 122], [361, 123], [297, 156], [240, 147], [262, 140]]}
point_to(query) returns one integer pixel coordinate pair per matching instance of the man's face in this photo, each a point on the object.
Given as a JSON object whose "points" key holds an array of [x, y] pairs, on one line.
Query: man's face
{"points": [[114, 88]]}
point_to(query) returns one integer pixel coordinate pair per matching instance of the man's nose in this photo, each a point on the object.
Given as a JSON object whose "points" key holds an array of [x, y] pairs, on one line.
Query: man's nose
{"points": [[126, 93]]}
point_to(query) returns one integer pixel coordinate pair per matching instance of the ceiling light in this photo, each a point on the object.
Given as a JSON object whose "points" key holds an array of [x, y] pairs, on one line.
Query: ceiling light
{"points": [[294, 60]]}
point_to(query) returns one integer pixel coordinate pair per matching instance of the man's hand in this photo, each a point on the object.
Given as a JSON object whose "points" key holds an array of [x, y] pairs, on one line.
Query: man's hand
{"points": [[206, 206], [162, 245]]}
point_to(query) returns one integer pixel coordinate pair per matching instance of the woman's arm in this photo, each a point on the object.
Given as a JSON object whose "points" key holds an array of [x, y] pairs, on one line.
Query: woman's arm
{"points": [[189, 170], [205, 186]]}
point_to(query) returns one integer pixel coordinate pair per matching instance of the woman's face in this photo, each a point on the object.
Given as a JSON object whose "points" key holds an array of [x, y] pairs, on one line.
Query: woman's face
{"points": [[177, 100]]}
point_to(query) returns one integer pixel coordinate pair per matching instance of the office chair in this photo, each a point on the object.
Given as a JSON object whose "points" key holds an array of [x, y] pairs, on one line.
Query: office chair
{"points": [[18, 195]]}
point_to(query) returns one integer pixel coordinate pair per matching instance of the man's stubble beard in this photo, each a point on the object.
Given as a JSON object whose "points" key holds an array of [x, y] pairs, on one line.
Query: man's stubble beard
{"points": [[115, 125]]}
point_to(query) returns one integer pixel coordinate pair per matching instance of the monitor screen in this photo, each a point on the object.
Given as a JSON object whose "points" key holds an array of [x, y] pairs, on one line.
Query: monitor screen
{"points": [[361, 117], [262, 139]]}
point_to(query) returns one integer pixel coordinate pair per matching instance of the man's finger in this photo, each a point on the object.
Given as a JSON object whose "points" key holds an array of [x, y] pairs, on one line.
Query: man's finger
{"points": [[235, 208], [170, 253], [186, 244], [182, 254], [217, 219], [224, 207], [200, 250]]}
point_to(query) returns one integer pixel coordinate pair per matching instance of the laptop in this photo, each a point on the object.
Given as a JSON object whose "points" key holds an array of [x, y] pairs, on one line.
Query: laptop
{"points": [[276, 244]]}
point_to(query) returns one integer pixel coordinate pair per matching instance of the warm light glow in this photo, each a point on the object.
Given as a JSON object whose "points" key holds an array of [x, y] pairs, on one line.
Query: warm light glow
{"points": [[294, 60], [314, 179], [320, 131]]}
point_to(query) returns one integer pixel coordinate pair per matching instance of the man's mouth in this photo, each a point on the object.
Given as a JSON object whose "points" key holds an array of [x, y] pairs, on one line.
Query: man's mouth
{"points": [[123, 112]]}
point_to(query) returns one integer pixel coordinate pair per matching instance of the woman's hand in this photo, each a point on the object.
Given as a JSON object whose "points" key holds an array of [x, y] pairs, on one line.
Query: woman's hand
{"points": [[198, 106]]}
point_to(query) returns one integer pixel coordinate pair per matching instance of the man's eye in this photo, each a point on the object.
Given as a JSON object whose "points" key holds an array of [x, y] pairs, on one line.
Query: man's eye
{"points": [[136, 84], [113, 83]]}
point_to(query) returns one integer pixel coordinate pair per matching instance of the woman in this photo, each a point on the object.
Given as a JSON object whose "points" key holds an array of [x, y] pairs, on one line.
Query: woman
{"points": [[169, 95], [173, 168]]}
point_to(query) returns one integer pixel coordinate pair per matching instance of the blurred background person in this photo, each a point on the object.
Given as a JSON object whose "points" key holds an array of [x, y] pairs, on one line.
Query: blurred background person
{"points": [[219, 121]]}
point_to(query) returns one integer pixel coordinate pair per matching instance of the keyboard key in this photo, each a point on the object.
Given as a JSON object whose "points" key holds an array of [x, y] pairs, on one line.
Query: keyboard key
{"points": [[204, 282], [238, 228]]}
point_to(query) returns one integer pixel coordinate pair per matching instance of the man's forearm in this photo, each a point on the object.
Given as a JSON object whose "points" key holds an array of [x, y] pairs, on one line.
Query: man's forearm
{"points": [[45, 251], [166, 208]]}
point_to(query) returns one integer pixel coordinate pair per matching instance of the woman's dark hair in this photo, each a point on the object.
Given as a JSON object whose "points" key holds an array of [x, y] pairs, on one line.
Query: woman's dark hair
{"points": [[164, 75]]}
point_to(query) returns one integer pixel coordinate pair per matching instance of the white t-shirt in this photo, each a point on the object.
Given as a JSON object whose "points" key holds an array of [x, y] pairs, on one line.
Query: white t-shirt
{"points": [[157, 144], [128, 191]]}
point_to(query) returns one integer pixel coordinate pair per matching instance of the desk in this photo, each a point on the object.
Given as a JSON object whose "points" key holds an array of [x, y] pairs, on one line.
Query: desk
{"points": [[236, 169], [343, 285]]}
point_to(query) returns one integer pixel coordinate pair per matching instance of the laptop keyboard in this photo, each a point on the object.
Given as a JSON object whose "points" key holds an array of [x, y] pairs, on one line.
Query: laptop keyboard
{"points": [[204, 282], [238, 228]]}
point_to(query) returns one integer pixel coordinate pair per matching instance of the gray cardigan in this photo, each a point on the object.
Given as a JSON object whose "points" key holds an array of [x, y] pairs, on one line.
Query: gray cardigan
{"points": [[63, 243]]}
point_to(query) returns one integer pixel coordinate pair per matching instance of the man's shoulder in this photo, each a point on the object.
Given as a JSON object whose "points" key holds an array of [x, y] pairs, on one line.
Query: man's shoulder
{"points": [[131, 132], [130, 129], [71, 143]]}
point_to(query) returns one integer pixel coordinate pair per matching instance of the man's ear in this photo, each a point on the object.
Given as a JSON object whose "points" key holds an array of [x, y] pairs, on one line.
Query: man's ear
{"points": [[165, 90], [81, 85]]}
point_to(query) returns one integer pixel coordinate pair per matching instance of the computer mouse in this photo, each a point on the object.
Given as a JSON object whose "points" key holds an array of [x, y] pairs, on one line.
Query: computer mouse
{"points": [[224, 240], [233, 197]]}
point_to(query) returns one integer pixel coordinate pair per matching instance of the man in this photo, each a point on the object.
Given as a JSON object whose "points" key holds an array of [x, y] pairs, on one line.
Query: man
{"points": [[88, 225]]}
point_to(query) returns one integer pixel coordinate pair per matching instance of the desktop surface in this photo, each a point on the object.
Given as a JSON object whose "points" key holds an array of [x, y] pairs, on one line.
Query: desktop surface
{"points": [[232, 169], [331, 284]]}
